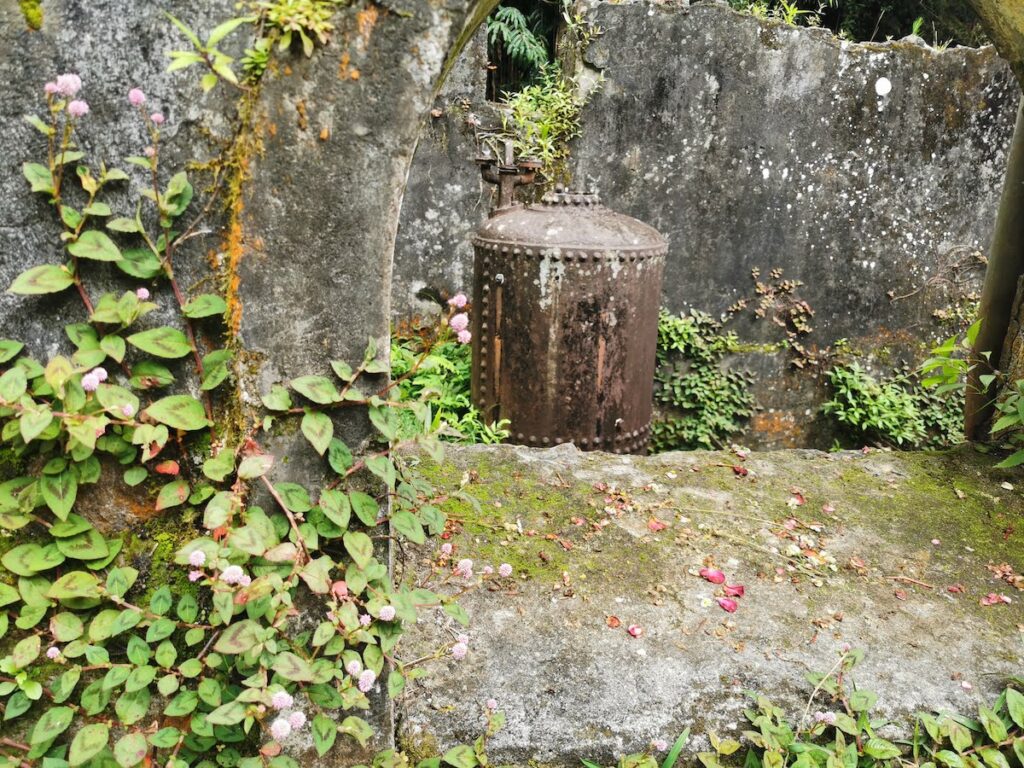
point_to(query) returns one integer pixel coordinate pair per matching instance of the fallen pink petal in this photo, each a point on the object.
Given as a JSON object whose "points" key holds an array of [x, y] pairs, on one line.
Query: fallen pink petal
{"points": [[734, 590], [712, 575], [728, 605], [635, 630]]}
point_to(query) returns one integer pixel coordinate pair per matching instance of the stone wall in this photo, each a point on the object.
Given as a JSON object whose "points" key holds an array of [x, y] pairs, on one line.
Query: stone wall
{"points": [[756, 146]]}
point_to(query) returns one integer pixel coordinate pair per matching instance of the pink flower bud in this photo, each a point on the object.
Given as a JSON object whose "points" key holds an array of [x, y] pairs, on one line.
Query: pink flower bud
{"points": [[197, 558], [354, 667], [51, 88], [464, 337], [149, 152], [136, 97], [504, 570], [78, 108], [127, 411], [101, 373], [387, 613], [90, 382], [713, 575], [492, 704], [297, 720], [280, 728], [728, 605], [53, 652], [458, 301], [195, 575], [464, 568], [446, 548], [459, 651], [281, 700], [365, 619], [68, 84], [142, 293], [459, 322], [660, 745], [157, 118], [366, 680]]}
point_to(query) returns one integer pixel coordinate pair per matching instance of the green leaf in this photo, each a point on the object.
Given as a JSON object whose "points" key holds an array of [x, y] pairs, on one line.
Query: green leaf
{"points": [[406, 524], [178, 195], [360, 547], [1014, 460], [231, 713], [365, 507], [253, 467], [339, 456], [215, 368], [179, 412], [131, 749], [319, 389], [87, 743], [95, 245], [74, 585], [335, 506], [277, 399], [30, 559], [150, 375], [88, 545], [113, 346], [51, 725], [8, 595], [46, 278], [38, 176], [994, 726], [318, 429], [172, 495], [206, 305], [294, 496], [225, 28], [881, 749], [458, 613], [357, 728], [97, 209], [292, 667], [325, 731], [140, 262], [862, 701], [33, 422], [121, 224], [239, 637], [9, 349], [164, 342], [1015, 706], [13, 385], [461, 756], [59, 492], [26, 651]]}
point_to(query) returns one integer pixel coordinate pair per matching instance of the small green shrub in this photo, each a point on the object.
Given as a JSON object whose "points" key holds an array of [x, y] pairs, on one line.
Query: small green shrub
{"points": [[440, 372], [703, 403], [542, 118], [897, 411]]}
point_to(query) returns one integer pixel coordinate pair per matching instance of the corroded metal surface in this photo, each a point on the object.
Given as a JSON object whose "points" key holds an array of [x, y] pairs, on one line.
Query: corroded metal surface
{"points": [[566, 297]]}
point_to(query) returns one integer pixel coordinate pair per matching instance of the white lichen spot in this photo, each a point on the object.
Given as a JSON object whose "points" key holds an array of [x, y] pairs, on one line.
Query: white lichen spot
{"points": [[883, 86]]}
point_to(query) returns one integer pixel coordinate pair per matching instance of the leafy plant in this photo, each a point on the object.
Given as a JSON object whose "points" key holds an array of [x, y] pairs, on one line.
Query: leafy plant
{"points": [[703, 403], [521, 38], [434, 367], [897, 411], [101, 668], [541, 119]]}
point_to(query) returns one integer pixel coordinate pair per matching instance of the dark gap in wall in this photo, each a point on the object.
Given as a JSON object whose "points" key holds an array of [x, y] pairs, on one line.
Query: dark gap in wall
{"points": [[521, 40]]}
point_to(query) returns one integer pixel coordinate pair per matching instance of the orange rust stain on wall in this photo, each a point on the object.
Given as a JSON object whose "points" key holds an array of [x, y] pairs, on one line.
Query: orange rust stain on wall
{"points": [[366, 20], [344, 71], [235, 249], [777, 427]]}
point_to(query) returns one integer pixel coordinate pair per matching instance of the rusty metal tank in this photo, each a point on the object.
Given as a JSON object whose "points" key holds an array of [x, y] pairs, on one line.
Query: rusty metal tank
{"points": [[566, 296]]}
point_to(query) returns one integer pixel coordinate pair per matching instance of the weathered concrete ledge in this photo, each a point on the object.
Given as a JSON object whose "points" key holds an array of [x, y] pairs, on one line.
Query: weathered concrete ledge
{"points": [[866, 560]]}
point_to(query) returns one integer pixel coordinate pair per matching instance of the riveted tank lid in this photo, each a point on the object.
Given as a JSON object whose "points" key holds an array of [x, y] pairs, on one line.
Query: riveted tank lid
{"points": [[569, 220]]}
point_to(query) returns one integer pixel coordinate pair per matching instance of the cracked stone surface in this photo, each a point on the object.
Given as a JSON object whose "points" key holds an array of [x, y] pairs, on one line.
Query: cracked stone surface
{"points": [[867, 560]]}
